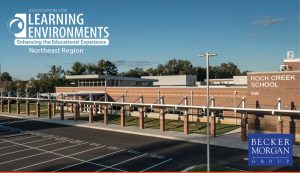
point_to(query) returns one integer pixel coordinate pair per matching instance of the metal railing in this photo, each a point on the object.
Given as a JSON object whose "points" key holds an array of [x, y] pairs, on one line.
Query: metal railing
{"points": [[275, 111]]}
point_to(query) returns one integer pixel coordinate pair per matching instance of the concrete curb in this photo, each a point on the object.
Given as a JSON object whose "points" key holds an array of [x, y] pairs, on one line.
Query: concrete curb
{"points": [[99, 128]]}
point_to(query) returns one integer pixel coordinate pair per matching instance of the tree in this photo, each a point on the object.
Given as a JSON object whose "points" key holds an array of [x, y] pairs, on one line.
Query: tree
{"points": [[175, 67], [19, 85], [5, 76], [200, 72], [103, 67], [160, 70], [107, 67], [244, 73], [78, 68], [56, 72], [91, 69], [31, 87], [48, 81], [137, 72], [185, 67], [151, 72], [224, 70]]}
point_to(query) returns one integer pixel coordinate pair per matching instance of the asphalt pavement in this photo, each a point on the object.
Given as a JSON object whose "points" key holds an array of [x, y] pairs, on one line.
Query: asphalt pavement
{"points": [[29, 145]]}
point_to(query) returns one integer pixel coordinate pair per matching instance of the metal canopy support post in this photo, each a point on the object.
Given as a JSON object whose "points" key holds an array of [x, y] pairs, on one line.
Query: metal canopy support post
{"points": [[105, 115], [18, 104], [27, 105], [1, 103], [279, 125], [186, 118], [162, 120], [213, 119], [9, 104], [243, 123], [91, 111], [49, 108], [162, 115], [54, 108], [234, 105], [122, 114], [76, 111], [37, 106], [38, 109], [72, 105], [141, 114], [62, 108]]}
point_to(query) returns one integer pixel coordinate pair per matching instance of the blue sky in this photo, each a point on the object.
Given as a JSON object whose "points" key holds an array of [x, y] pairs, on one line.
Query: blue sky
{"points": [[254, 34]]}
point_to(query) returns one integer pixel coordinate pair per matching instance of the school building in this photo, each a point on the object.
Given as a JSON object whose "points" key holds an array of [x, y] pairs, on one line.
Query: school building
{"points": [[278, 90]]}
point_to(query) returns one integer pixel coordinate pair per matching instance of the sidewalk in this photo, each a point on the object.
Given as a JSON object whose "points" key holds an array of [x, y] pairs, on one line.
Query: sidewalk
{"points": [[231, 139]]}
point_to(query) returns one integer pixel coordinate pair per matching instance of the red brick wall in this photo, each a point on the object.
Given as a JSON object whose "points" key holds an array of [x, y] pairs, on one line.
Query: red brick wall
{"points": [[293, 66], [283, 85], [196, 96]]}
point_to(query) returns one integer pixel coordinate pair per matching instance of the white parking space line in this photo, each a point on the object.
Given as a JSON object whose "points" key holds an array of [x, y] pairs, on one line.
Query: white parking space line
{"points": [[18, 169], [112, 166], [29, 143], [8, 146], [52, 152], [14, 152], [153, 166], [17, 144], [36, 141], [23, 138], [88, 161], [16, 135], [52, 144], [19, 139], [45, 152]]}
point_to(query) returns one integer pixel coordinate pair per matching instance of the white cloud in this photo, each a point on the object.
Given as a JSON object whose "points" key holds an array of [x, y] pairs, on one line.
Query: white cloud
{"points": [[267, 21]]}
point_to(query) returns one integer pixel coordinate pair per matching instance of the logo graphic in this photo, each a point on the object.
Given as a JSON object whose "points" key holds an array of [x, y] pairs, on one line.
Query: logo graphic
{"points": [[56, 29], [270, 150], [17, 25]]}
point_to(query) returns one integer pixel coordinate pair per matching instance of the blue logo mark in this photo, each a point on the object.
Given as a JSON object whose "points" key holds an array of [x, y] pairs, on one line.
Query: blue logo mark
{"points": [[270, 150], [16, 25]]}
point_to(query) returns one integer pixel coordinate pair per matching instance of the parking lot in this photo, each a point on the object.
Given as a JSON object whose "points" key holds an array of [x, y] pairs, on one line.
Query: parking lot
{"points": [[28, 145], [27, 150]]}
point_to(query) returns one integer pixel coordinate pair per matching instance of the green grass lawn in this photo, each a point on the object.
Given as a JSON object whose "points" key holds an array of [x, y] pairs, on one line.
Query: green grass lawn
{"points": [[214, 168], [172, 125]]}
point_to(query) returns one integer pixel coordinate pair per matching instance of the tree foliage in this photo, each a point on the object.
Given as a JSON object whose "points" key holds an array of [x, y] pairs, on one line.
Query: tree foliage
{"points": [[78, 69], [46, 82], [185, 67], [102, 67], [5, 76]]}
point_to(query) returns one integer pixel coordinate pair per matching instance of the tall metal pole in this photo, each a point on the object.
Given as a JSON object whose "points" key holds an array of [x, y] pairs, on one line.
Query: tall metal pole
{"points": [[207, 55], [207, 112]]}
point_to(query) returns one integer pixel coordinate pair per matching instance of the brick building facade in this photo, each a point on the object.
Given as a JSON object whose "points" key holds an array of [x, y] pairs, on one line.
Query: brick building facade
{"points": [[263, 90]]}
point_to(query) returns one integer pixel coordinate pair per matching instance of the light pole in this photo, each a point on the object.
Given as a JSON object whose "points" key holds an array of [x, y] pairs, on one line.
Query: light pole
{"points": [[207, 55]]}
